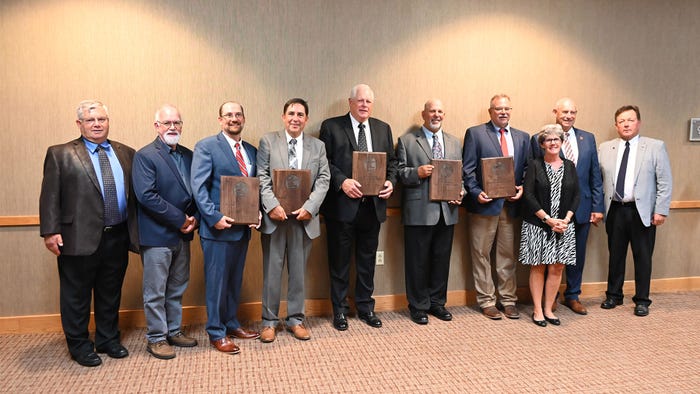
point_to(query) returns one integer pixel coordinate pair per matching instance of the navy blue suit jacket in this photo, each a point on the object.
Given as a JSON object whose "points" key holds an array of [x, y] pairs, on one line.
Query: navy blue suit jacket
{"points": [[213, 157], [590, 180], [164, 199], [481, 142]]}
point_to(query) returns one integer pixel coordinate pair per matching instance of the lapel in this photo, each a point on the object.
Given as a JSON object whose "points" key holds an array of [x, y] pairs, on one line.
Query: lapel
{"points": [[164, 152], [423, 143], [125, 163], [493, 135], [642, 148], [227, 152], [249, 150], [349, 132], [451, 149], [282, 148], [307, 152], [81, 152]]}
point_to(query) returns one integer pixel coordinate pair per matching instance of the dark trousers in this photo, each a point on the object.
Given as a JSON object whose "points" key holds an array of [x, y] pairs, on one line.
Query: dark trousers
{"points": [[427, 264], [100, 275], [364, 232], [574, 273], [624, 227]]}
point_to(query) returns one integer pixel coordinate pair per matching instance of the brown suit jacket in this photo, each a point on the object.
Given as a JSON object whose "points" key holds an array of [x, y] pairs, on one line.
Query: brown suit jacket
{"points": [[71, 200]]}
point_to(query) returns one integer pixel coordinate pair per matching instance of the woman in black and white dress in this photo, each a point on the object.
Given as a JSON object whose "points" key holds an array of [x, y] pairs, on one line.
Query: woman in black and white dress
{"points": [[548, 241]]}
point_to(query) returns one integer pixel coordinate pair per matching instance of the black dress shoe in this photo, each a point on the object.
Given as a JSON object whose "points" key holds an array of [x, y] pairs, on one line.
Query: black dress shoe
{"points": [[641, 310], [541, 323], [441, 313], [609, 303], [371, 319], [419, 317], [89, 359], [340, 322], [555, 321], [114, 350]]}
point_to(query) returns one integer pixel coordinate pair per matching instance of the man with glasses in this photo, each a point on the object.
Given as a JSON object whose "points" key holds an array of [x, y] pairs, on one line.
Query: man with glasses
{"points": [[87, 216], [494, 220], [224, 243], [167, 219]]}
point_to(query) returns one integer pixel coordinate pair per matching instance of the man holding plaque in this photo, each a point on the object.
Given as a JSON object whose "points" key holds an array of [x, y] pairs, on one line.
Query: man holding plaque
{"points": [[167, 218], [580, 147], [351, 215], [287, 233], [494, 220], [224, 243], [428, 224]]}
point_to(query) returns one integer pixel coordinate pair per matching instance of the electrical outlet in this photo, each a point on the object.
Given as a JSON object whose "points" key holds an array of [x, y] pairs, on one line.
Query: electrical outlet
{"points": [[380, 257]]}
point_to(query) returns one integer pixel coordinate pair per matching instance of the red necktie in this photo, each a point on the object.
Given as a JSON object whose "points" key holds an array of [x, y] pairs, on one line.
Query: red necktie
{"points": [[504, 144], [239, 159]]}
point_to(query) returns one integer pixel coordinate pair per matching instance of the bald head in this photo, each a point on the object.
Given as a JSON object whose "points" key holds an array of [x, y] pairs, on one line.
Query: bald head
{"points": [[565, 112]]}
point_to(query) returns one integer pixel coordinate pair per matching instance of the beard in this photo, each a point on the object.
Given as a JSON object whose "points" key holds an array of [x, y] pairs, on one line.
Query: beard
{"points": [[171, 139]]}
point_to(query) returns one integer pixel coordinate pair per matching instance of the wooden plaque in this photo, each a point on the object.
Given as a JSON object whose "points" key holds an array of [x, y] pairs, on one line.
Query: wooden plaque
{"points": [[446, 180], [240, 198], [292, 188], [498, 175], [369, 169]]}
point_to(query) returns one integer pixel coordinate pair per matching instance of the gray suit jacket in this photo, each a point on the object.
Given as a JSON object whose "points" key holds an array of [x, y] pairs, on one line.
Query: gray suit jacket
{"points": [[652, 176], [273, 154], [414, 150]]}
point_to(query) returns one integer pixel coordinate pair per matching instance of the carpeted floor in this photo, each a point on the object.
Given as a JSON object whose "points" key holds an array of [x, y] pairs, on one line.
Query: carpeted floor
{"points": [[607, 351]]}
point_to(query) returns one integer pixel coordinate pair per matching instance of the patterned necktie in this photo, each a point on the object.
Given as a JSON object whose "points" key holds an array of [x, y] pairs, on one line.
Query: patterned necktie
{"points": [[437, 148], [112, 215], [622, 173], [504, 143], [293, 164], [239, 159], [568, 151], [361, 139]]}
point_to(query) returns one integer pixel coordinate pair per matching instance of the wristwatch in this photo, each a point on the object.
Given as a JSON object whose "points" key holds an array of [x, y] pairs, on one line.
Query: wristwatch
{"points": [[545, 218]]}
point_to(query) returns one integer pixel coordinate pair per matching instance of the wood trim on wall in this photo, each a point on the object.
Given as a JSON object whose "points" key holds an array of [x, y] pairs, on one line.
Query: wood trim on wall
{"points": [[251, 312], [33, 220]]}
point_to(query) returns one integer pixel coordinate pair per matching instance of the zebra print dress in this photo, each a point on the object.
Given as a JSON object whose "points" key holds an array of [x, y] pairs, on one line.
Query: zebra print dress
{"points": [[538, 246]]}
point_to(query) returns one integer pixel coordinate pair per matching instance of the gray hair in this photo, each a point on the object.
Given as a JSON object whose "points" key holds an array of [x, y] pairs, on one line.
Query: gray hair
{"points": [[164, 106], [550, 130], [353, 91], [498, 96], [89, 105]]}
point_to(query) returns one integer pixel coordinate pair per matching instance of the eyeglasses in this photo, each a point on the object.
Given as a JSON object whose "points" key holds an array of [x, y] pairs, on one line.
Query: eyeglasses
{"points": [[502, 109], [169, 124], [94, 120], [552, 141], [230, 115]]}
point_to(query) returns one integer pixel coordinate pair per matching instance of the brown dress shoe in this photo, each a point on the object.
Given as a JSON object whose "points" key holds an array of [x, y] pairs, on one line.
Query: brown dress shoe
{"points": [[511, 312], [268, 335], [491, 312], [182, 340], [242, 333], [576, 306], [300, 332], [225, 345]]}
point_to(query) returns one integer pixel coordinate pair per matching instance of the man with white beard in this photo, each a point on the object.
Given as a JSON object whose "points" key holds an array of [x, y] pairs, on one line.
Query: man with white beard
{"points": [[167, 217]]}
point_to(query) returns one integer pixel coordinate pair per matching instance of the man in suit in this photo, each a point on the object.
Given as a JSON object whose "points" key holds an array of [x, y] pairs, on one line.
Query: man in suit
{"points": [[637, 183], [88, 219], [428, 225], [580, 147], [167, 219], [289, 236], [351, 217], [494, 219], [224, 243]]}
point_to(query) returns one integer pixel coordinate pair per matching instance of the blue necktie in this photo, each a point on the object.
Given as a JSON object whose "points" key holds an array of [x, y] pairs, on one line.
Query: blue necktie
{"points": [[112, 215]]}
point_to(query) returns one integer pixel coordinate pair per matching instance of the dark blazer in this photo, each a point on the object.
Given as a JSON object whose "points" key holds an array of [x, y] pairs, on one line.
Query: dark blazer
{"points": [[338, 135], [537, 192], [590, 181], [414, 150], [212, 158], [71, 198], [164, 198], [481, 142]]}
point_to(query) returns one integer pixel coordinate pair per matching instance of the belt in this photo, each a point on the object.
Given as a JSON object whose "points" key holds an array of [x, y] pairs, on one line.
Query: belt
{"points": [[113, 228], [630, 204]]}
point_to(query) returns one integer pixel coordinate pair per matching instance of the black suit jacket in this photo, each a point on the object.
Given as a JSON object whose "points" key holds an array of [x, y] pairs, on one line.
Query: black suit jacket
{"points": [[537, 192], [338, 135], [71, 199]]}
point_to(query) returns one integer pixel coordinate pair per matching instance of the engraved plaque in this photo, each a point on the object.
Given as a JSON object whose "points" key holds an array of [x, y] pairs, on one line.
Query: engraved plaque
{"points": [[446, 180], [292, 188], [240, 198], [369, 169], [498, 175]]}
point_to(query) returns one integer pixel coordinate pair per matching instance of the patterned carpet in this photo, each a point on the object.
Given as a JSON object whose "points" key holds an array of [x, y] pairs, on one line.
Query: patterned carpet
{"points": [[608, 351]]}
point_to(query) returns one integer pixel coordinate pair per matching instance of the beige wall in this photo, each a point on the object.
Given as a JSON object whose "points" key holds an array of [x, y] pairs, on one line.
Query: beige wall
{"points": [[135, 55]]}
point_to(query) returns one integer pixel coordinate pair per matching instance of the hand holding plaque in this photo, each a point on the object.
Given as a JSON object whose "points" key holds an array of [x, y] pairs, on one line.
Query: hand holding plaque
{"points": [[369, 169], [292, 188], [498, 175], [446, 180], [240, 198]]}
